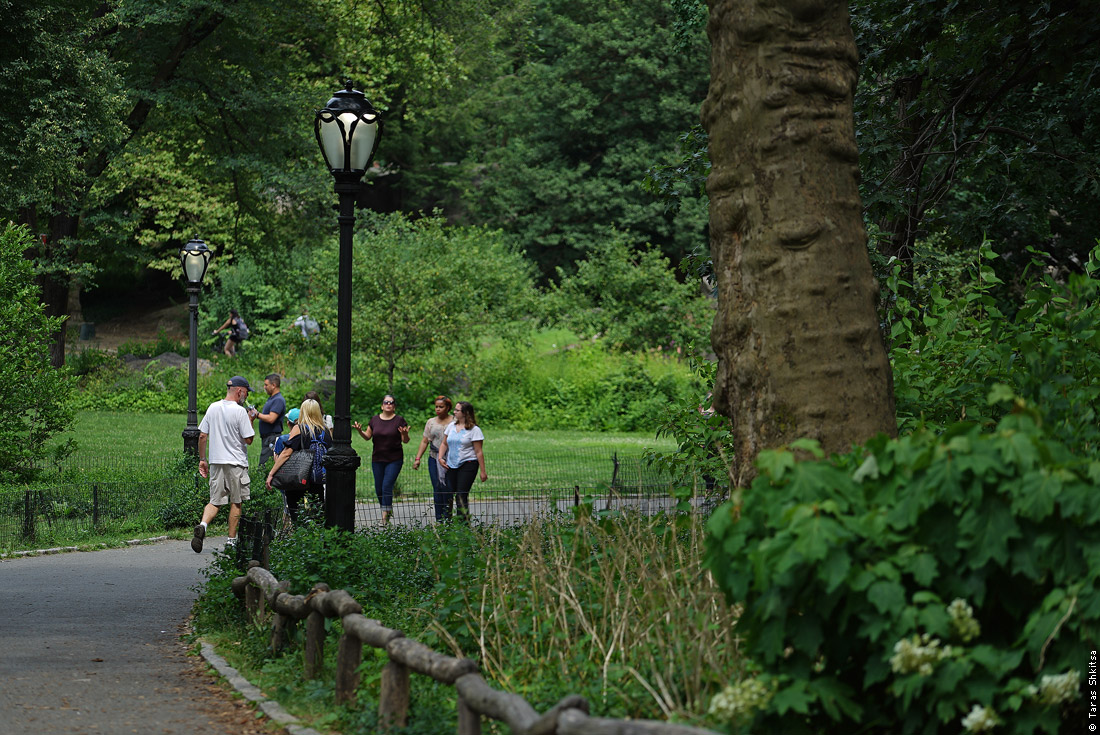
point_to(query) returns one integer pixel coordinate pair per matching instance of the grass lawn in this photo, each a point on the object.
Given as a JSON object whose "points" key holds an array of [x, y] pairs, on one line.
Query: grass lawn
{"points": [[516, 460]]}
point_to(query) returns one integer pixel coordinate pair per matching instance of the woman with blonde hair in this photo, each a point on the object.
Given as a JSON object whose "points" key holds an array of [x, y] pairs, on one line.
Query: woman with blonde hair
{"points": [[310, 428]]}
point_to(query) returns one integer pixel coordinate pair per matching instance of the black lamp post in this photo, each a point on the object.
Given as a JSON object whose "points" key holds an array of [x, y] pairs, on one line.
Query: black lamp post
{"points": [[346, 130], [195, 257]]}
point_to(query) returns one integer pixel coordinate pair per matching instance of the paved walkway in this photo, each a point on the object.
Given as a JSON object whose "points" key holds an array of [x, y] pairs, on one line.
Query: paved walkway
{"points": [[89, 644]]}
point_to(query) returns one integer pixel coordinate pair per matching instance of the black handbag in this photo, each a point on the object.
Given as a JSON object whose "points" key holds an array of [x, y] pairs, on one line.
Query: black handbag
{"points": [[294, 472]]}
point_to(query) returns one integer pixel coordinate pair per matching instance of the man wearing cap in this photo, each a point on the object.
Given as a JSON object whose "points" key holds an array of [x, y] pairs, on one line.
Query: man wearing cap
{"points": [[271, 417], [226, 431]]}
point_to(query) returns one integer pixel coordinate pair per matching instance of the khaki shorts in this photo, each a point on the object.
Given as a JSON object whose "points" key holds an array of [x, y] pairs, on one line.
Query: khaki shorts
{"points": [[229, 483]]}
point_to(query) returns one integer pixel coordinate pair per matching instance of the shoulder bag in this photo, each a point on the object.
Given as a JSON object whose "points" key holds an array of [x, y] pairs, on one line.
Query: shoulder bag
{"points": [[294, 471]]}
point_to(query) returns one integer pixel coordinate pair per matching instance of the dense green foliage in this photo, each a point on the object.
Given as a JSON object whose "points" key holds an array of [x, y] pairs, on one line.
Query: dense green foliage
{"points": [[513, 383], [975, 120], [424, 296], [899, 588], [483, 592], [631, 299], [948, 355], [946, 580], [577, 386], [36, 396], [585, 98]]}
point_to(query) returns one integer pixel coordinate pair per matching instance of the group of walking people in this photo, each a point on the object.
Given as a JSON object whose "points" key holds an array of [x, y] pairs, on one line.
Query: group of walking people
{"points": [[452, 439]]}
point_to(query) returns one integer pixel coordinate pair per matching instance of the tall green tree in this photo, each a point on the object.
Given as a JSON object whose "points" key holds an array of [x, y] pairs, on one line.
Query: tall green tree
{"points": [[35, 394], [585, 97], [170, 91], [797, 337], [423, 292], [131, 125], [980, 119]]}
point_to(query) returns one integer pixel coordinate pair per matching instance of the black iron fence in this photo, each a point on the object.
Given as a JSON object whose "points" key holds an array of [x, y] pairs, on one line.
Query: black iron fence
{"points": [[92, 497]]}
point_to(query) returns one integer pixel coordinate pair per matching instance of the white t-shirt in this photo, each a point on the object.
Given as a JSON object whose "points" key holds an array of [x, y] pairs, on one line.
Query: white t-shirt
{"points": [[226, 425], [460, 443]]}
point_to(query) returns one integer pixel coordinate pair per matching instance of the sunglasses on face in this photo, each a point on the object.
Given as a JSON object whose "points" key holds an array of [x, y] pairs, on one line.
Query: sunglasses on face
{"points": [[387, 403]]}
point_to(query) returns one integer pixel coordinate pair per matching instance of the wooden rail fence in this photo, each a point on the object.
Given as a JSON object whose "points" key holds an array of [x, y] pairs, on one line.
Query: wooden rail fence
{"points": [[263, 594]]}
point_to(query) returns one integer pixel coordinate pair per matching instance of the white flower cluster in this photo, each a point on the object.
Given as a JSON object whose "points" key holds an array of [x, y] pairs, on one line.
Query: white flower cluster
{"points": [[918, 654], [741, 700], [1055, 689], [962, 617], [980, 719]]}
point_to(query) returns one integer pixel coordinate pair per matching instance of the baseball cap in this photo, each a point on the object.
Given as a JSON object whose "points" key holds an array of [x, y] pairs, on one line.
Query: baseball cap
{"points": [[238, 382], [292, 414]]}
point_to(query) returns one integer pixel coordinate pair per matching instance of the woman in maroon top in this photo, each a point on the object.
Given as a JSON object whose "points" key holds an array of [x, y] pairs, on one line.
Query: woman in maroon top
{"points": [[388, 431]]}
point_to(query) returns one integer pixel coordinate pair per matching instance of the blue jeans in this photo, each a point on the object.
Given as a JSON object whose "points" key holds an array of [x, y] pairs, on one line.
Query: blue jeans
{"points": [[385, 477], [439, 489]]}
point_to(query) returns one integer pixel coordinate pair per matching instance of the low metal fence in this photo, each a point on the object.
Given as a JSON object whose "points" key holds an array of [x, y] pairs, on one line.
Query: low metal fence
{"points": [[84, 498]]}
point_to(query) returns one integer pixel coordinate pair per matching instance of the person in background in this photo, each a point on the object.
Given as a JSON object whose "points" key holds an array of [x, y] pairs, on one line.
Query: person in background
{"points": [[388, 431], [460, 454], [226, 432], [307, 324], [271, 417], [237, 332], [309, 428], [291, 420], [314, 395], [432, 437]]}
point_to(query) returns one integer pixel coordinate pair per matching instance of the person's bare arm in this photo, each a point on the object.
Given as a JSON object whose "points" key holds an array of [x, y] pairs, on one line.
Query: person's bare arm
{"points": [[279, 462], [480, 459], [204, 466]]}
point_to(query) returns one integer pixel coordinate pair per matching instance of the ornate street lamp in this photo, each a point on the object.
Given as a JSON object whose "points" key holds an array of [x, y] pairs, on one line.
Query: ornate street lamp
{"points": [[195, 257], [346, 130]]}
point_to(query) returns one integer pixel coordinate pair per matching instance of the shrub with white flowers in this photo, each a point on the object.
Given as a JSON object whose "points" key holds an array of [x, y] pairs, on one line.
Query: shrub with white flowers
{"points": [[1054, 689], [980, 719], [918, 655], [962, 620], [741, 700]]}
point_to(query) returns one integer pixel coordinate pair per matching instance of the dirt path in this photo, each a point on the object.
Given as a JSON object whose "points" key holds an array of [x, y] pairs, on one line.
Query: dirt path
{"points": [[136, 326]]}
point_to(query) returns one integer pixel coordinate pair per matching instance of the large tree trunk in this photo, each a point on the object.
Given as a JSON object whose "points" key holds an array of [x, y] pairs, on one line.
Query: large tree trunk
{"points": [[797, 335]]}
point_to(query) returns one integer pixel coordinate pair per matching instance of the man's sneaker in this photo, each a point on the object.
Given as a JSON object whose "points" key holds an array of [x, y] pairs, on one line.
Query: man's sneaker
{"points": [[196, 540], [231, 542]]}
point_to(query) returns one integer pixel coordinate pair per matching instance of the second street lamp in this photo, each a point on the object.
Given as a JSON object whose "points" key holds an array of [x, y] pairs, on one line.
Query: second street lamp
{"points": [[346, 130], [195, 257]]}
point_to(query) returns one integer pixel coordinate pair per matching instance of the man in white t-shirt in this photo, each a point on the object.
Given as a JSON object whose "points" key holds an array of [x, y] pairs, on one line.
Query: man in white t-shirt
{"points": [[227, 431]]}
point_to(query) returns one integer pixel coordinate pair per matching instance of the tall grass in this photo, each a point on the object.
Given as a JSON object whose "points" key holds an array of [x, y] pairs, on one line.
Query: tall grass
{"points": [[617, 608]]}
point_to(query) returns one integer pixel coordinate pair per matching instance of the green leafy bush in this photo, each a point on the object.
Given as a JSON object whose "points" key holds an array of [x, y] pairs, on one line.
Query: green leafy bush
{"points": [[947, 355], [162, 344], [920, 585], [631, 299], [582, 386], [704, 439]]}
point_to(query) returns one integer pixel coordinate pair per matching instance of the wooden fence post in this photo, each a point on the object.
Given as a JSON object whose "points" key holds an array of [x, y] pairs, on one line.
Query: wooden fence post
{"points": [[349, 655], [95, 506], [469, 722], [315, 644], [281, 625], [393, 702]]}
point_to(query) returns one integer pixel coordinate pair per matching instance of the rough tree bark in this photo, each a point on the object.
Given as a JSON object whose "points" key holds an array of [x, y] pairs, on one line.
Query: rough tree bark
{"points": [[797, 336]]}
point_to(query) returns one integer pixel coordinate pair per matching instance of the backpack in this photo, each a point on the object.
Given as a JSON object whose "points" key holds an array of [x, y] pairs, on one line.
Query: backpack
{"points": [[317, 472], [242, 329]]}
